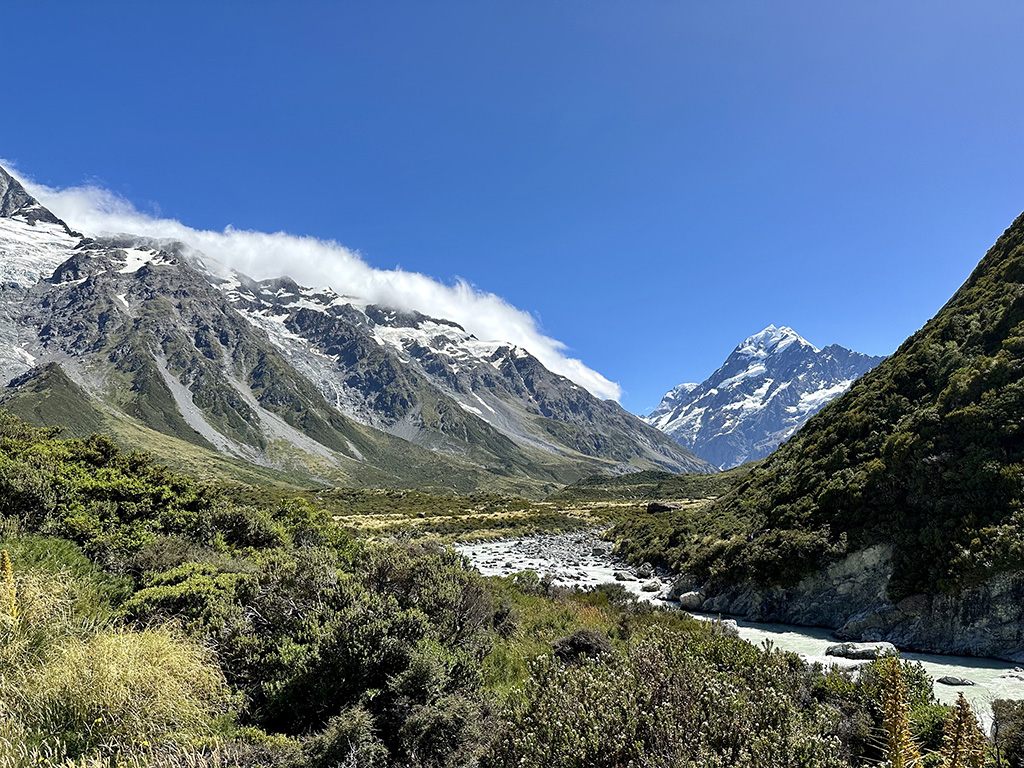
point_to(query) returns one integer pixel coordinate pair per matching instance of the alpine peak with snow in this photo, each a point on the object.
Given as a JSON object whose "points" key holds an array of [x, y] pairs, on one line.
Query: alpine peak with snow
{"points": [[168, 350], [770, 385]]}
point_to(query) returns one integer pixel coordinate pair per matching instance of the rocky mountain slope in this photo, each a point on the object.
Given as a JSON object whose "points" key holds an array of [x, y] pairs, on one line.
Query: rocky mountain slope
{"points": [[764, 392], [170, 350], [897, 512]]}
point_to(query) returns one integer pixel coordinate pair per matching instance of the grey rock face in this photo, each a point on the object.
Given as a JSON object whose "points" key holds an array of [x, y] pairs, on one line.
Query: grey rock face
{"points": [[850, 598], [770, 385], [16, 203], [427, 380]]}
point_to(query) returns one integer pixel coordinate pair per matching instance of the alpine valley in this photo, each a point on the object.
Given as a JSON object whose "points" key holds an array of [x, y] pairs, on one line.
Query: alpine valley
{"points": [[256, 523], [203, 366]]}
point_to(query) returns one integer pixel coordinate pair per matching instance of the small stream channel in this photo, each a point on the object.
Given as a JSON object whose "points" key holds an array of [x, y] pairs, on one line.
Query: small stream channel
{"points": [[583, 559]]}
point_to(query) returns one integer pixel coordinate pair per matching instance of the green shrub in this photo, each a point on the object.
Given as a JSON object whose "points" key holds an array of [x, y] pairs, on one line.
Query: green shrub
{"points": [[660, 702]]}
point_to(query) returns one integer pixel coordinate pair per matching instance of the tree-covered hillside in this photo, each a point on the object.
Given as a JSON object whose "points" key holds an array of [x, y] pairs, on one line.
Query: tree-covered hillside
{"points": [[926, 452]]}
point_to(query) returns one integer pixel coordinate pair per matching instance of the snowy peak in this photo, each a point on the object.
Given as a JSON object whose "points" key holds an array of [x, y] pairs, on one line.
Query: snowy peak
{"points": [[767, 388], [32, 240], [771, 340], [17, 204]]}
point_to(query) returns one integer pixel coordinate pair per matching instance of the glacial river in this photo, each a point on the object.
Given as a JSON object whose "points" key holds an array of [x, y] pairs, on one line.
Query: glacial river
{"points": [[583, 559]]}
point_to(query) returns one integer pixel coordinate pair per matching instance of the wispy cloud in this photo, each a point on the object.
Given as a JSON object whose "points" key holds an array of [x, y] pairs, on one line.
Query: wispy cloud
{"points": [[311, 261]]}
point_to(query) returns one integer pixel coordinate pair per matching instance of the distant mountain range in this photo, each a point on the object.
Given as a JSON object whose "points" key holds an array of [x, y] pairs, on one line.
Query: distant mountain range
{"points": [[167, 349], [770, 385]]}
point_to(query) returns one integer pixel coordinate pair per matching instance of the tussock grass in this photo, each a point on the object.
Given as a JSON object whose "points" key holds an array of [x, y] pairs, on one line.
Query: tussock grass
{"points": [[73, 689]]}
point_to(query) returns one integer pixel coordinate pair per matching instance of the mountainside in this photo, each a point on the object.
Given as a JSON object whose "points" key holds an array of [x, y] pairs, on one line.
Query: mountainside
{"points": [[766, 390], [170, 350], [897, 512]]}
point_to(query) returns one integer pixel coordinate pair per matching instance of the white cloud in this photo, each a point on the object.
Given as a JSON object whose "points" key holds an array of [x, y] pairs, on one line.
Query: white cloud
{"points": [[310, 261]]}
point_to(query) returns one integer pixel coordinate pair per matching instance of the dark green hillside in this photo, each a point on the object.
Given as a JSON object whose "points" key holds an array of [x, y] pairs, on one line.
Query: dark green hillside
{"points": [[924, 452], [48, 397]]}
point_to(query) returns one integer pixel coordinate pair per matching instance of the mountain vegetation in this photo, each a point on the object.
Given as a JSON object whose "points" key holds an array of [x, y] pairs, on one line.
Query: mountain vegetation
{"points": [[148, 619]]}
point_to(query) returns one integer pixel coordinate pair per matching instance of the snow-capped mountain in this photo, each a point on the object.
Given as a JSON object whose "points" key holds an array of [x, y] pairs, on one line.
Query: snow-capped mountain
{"points": [[163, 346], [770, 385]]}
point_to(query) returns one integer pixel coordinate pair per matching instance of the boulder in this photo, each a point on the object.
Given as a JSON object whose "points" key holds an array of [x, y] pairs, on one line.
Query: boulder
{"points": [[651, 586], [661, 506], [860, 650], [950, 680], [584, 644], [645, 571], [691, 601], [624, 576]]}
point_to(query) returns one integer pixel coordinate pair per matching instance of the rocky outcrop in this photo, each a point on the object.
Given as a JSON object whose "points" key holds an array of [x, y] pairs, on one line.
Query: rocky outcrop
{"points": [[691, 600], [850, 597], [661, 506]]}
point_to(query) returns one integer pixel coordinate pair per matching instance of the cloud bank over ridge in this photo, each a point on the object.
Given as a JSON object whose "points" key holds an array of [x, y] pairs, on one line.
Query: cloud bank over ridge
{"points": [[311, 261]]}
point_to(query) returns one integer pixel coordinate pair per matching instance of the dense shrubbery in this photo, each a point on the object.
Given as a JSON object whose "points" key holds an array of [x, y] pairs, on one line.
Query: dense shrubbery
{"points": [[149, 621], [707, 701], [1009, 730]]}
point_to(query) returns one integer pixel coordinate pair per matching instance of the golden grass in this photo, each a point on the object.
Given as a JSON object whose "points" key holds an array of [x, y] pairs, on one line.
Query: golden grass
{"points": [[70, 689]]}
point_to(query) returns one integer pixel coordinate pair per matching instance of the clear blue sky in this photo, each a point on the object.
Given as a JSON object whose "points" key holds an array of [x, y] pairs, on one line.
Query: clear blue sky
{"points": [[653, 180]]}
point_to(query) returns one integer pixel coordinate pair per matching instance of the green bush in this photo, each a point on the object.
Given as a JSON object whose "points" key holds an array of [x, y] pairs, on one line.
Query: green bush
{"points": [[660, 703]]}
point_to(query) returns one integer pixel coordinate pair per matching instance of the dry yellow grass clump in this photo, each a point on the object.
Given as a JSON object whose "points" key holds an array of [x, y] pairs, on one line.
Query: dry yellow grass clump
{"points": [[71, 689]]}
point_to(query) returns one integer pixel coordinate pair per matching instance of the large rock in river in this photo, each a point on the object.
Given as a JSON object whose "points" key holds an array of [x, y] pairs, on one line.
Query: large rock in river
{"points": [[860, 650], [950, 680], [692, 600]]}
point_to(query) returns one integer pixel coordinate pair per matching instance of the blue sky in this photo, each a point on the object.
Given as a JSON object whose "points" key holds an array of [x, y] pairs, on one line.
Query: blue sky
{"points": [[653, 181]]}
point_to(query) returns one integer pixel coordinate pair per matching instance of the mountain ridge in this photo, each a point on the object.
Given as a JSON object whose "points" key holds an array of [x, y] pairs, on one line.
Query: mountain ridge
{"points": [[277, 375]]}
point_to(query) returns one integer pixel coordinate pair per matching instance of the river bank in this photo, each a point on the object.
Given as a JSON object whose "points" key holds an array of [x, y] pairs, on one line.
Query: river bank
{"points": [[583, 559]]}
